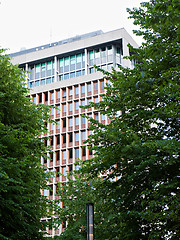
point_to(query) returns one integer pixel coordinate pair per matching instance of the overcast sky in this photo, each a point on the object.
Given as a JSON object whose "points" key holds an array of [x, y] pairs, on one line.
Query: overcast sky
{"points": [[30, 23]]}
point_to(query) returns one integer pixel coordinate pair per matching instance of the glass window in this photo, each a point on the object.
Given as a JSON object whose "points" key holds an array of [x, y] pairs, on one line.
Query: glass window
{"points": [[77, 152], [66, 61], [103, 117], [83, 103], [42, 81], [89, 87], [46, 192], [58, 94], [109, 48], [52, 111], [70, 92], [58, 110], [52, 79], [91, 55], [64, 170], [91, 70], [103, 52], [52, 126], [61, 62], [34, 99], [64, 92], [96, 86], [60, 77], [83, 135], [48, 80], [83, 88], [64, 108], [43, 67], [58, 124], [64, 155], [49, 66], [77, 121], [70, 122], [72, 60], [77, 137], [83, 57], [78, 73], [37, 83], [37, 68], [97, 53], [77, 90], [72, 74], [96, 99], [77, 105], [96, 116], [66, 76], [70, 107], [83, 72], [78, 58], [102, 84], [52, 96], [83, 120]]}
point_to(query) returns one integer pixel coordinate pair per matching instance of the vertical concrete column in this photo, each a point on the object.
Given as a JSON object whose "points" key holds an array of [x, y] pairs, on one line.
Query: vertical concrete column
{"points": [[26, 79], [86, 61], [114, 56], [55, 69]]}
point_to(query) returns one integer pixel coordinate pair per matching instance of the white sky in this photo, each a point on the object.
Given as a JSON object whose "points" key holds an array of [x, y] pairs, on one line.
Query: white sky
{"points": [[31, 23]]}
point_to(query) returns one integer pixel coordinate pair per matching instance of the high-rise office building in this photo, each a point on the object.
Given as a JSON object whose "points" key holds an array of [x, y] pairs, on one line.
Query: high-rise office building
{"points": [[62, 74]]}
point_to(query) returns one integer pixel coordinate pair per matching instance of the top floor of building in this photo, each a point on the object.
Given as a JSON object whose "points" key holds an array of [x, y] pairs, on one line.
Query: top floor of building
{"points": [[74, 57]]}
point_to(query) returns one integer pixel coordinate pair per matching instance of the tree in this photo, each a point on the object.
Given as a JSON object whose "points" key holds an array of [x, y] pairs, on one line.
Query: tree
{"points": [[21, 173], [139, 149]]}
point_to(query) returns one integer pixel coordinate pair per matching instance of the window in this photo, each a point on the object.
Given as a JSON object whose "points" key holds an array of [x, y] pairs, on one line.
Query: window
{"points": [[96, 116], [78, 73], [52, 111], [57, 140], [77, 105], [103, 117], [83, 120], [77, 152], [37, 68], [96, 99], [83, 103], [61, 62], [97, 53], [89, 87], [34, 99], [70, 107], [78, 58], [58, 124], [64, 155], [83, 135], [84, 151], [64, 108], [72, 60], [66, 76], [64, 138], [70, 153], [46, 192], [58, 94], [70, 137], [52, 96], [42, 81], [70, 122], [96, 86], [83, 89], [52, 126], [77, 90], [103, 52], [64, 92], [64, 123], [77, 137], [77, 120], [51, 141], [72, 74], [64, 171], [70, 92], [58, 109], [37, 83], [109, 49], [91, 55], [48, 80], [102, 84], [66, 61], [49, 66]]}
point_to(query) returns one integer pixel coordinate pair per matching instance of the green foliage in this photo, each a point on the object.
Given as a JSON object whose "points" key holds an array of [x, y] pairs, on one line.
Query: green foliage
{"points": [[139, 150], [21, 174]]}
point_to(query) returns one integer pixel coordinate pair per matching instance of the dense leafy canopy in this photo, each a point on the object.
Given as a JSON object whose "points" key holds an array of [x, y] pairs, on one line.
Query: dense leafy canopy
{"points": [[139, 150], [21, 174]]}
